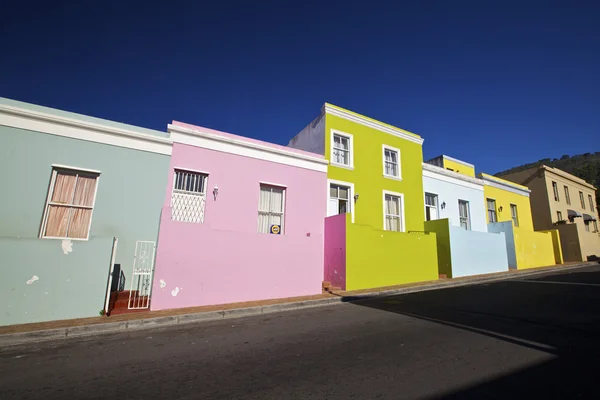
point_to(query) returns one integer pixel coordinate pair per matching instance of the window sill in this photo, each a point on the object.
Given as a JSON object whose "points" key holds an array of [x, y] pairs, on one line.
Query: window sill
{"points": [[342, 166], [65, 238], [392, 177]]}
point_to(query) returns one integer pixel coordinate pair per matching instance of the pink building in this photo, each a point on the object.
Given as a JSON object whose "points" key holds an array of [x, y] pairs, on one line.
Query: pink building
{"points": [[242, 220]]}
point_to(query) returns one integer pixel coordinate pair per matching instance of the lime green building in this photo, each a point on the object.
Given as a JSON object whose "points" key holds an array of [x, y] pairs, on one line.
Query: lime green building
{"points": [[374, 232]]}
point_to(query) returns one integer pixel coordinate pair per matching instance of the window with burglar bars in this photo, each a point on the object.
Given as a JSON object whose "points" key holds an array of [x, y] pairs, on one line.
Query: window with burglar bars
{"points": [[393, 213], [491, 209], [341, 150], [188, 198], [271, 206], [70, 204], [514, 214], [463, 211], [391, 162], [431, 206]]}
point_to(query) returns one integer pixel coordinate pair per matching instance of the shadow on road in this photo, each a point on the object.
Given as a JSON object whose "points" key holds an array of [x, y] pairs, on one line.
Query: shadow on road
{"points": [[559, 319]]}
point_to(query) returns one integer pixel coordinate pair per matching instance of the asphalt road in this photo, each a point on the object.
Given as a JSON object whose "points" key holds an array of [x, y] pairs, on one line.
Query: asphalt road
{"points": [[527, 338]]}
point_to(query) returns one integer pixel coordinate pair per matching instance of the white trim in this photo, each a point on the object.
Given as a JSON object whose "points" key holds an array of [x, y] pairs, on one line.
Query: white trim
{"points": [[91, 171], [197, 171], [208, 140], [350, 195], [89, 131], [49, 196], [455, 178], [466, 164], [385, 147], [350, 138], [359, 119], [272, 184], [401, 196], [504, 186]]}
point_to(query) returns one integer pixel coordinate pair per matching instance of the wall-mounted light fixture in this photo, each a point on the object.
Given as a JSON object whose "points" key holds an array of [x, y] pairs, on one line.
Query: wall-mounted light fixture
{"points": [[215, 192], [443, 205], [500, 209], [356, 197]]}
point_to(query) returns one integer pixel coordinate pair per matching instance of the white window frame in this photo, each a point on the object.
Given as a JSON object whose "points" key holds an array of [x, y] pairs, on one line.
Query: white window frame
{"points": [[77, 170], [402, 216], [515, 218], [350, 138], [283, 199], [437, 204], [487, 210], [185, 192], [399, 161], [351, 194], [468, 204]]}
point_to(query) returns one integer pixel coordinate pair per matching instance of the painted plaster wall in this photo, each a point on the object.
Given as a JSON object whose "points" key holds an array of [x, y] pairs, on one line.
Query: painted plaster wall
{"points": [[509, 236], [225, 259], [441, 228], [558, 256], [367, 174], [42, 283], [534, 249], [129, 196], [569, 242], [504, 199], [477, 253], [450, 193], [335, 250], [377, 258], [312, 137], [459, 167]]}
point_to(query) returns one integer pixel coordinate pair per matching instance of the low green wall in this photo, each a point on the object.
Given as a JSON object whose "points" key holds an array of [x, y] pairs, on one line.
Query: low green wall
{"points": [[378, 258], [442, 231], [46, 280]]}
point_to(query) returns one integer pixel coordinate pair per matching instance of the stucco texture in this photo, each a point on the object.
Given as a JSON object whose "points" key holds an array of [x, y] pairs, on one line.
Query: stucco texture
{"points": [[367, 174], [129, 196], [377, 258], [42, 280], [225, 259]]}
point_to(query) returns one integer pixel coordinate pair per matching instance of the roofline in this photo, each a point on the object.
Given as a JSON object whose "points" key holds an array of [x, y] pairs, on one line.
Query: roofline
{"points": [[371, 123], [504, 184], [566, 175], [452, 174], [37, 121], [191, 137]]}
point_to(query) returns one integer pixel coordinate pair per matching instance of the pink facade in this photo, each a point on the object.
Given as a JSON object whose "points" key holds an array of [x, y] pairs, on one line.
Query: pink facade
{"points": [[335, 250], [225, 259]]}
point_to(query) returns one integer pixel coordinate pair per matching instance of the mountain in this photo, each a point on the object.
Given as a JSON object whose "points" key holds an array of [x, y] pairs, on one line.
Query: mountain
{"points": [[585, 166]]}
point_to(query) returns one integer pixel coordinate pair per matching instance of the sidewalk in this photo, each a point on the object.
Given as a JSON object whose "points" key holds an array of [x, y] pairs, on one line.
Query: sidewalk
{"points": [[53, 330]]}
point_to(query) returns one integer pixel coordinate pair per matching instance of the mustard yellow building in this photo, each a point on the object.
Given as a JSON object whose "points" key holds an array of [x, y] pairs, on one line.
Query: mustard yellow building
{"points": [[565, 202], [508, 210], [374, 233]]}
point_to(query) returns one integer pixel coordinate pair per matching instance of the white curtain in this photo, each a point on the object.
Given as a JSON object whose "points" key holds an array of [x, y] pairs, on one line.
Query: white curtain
{"points": [[340, 150], [391, 163], [392, 213], [270, 208]]}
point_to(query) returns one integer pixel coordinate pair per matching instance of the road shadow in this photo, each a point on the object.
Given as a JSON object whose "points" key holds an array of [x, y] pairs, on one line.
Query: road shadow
{"points": [[559, 319]]}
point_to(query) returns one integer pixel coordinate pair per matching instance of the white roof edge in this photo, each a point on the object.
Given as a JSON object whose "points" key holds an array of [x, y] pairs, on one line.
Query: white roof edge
{"points": [[372, 124], [458, 161], [501, 184], [46, 123], [209, 135], [452, 174]]}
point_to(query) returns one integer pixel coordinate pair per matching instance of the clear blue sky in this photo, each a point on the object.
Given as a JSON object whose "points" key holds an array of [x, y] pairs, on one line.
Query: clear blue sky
{"points": [[493, 83]]}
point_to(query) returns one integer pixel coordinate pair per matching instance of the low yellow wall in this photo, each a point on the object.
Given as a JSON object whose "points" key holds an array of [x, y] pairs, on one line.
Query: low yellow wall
{"points": [[534, 249], [377, 258]]}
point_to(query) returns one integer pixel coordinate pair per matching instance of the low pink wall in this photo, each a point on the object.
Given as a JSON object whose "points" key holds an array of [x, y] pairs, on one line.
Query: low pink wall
{"points": [[225, 259], [335, 250]]}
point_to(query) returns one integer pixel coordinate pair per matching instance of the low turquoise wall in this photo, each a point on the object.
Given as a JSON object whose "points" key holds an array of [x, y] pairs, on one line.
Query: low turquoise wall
{"points": [[42, 281]]}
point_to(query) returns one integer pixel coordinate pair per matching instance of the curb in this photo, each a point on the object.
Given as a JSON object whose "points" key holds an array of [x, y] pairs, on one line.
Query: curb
{"points": [[13, 339]]}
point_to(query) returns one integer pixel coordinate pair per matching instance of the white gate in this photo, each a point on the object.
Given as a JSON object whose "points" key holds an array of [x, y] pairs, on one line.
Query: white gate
{"points": [[141, 279]]}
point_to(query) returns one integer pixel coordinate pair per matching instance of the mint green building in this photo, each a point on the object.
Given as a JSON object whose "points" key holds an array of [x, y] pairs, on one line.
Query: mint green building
{"points": [[79, 193]]}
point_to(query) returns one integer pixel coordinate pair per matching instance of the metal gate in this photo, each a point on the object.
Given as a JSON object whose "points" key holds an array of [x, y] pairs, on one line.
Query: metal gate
{"points": [[141, 279]]}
